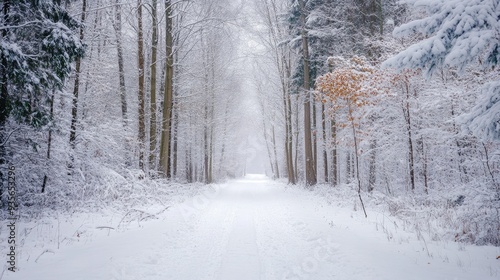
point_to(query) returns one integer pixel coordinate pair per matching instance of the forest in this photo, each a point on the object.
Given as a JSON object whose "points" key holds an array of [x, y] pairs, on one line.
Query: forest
{"points": [[118, 101]]}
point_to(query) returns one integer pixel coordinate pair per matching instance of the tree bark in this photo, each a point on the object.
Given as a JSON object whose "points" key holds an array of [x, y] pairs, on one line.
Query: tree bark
{"points": [[174, 134], [208, 178], [406, 110], [325, 150], [49, 140], [289, 142], [309, 159], [282, 60], [372, 168], [297, 131], [154, 51], [74, 108], [424, 152], [348, 165], [121, 69], [168, 95], [358, 179], [4, 103], [141, 95], [266, 140], [380, 17], [333, 128], [314, 129], [276, 166]]}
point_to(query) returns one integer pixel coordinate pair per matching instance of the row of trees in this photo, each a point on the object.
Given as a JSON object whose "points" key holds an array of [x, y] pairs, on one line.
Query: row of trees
{"points": [[299, 45], [409, 134], [391, 97], [97, 94], [157, 92]]}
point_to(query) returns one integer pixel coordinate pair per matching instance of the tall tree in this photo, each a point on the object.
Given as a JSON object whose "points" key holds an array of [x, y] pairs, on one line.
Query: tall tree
{"points": [[270, 11], [351, 87], [154, 63], [37, 49], [141, 92], [76, 88], [117, 25], [165, 154], [309, 157]]}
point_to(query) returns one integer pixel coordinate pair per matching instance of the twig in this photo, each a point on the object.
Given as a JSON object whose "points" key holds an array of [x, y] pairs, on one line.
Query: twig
{"points": [[165, 209], [129, 212], [8, 136], [46, 251]]}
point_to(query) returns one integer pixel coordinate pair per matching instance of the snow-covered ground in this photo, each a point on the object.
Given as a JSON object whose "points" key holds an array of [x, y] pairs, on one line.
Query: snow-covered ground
{"points": [[251, 228]]}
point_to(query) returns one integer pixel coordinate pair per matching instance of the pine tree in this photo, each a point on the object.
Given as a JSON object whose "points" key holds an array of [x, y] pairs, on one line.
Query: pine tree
{"points": [[458, 33], [38, 45]]}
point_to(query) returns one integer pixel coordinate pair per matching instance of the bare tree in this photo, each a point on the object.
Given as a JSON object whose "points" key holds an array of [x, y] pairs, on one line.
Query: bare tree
{"points": [[309, 157], [117, 25], [154, 63], [165, 154], [74, 108], [141, 94]]}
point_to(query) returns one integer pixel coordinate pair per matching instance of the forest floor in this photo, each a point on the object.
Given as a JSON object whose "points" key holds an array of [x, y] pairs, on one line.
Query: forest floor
{"points": [[252, 228]]}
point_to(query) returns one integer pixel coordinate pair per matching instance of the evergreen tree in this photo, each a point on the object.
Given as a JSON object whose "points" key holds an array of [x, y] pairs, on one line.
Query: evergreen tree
{"points": [[37, 48]]}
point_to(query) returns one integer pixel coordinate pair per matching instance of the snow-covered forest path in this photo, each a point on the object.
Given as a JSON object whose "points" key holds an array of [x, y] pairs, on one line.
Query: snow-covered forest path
{"points": [[254, 228]]}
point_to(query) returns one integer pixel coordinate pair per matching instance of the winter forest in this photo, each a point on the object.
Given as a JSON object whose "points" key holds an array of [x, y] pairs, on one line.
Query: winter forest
{"points": [[384, 108]]}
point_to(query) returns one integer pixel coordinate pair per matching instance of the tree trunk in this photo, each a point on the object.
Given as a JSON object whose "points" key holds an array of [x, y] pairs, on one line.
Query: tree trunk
{"points": [[333, 129], [314, 136], [208, 178], [411, 161], [267, 142], [154, 51], [92, 68], [288, 125], [74, 108], [309, 159], [372, 168], [121, 71], [49, 141], [335, 175], [356, 159], [276, 166], [224, 132], [487, 161], [168, 95], [4, 103], [174, 134], [380, 17], [211, 140], [348, 166], [325, 150], [297, 128], [141, 95], [424, 152], [291, 172]]}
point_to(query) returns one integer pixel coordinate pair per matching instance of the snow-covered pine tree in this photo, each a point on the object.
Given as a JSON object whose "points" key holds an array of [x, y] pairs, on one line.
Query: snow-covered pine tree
{"points": [[37, 48], [459, 33]]}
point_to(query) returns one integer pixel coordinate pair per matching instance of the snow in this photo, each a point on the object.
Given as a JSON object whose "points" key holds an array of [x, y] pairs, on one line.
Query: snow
{"points": [[484, 118], [252, 228], [459, 32]]}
